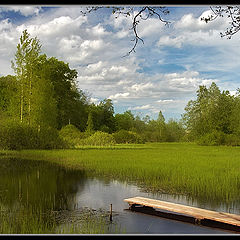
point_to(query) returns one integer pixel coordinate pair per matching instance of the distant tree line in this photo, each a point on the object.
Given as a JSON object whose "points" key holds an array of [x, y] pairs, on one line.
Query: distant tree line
{"points": [[42, 107]]}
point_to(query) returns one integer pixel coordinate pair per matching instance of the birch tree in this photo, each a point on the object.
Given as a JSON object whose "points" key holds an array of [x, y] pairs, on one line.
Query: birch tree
{"points": [[28, 50]]}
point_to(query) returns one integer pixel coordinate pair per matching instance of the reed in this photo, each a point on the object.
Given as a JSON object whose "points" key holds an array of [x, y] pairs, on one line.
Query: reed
{"points": [[21, 220], [210, 173]]}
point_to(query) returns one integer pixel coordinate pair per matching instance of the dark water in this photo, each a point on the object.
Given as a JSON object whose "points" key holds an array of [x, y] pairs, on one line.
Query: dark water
{"points": [[38, 185]]}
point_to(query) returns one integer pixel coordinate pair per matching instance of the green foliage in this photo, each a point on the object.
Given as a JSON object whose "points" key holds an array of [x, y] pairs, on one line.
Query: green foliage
{"points": [[49, 139], [44, 95], [139, 125], [71, 135], [25, 61], [8, 96], [216, 138], [99, 139], [71, 102], [90, 125], [44, 106], [213, 118], [124, 136], [124, 121], [156, 131], [232, 140], [16, 136], [102, 116], [105, 128], [212, 139], [175, 131]]}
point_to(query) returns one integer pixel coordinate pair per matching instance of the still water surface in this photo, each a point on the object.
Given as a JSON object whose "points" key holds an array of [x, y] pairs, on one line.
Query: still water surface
{"points": [[41, 185]]}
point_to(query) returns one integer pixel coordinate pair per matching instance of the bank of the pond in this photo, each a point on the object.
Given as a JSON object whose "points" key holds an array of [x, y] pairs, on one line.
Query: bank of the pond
{"points": [[204, 172]]}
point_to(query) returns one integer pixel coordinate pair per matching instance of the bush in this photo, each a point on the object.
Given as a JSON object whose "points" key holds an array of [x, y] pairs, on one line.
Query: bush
{"points": [[99, 139], [124, 136], [49, 138], [232, 140], [105, 128], [17, 136], [212, 139], [71, 135]]}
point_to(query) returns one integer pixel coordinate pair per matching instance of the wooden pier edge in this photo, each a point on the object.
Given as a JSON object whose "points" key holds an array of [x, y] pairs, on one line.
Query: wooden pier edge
{"points": [[185, 213]]}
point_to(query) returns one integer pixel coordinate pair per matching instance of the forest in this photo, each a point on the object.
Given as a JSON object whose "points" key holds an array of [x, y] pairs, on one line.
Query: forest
{"points": [[41, 107]]}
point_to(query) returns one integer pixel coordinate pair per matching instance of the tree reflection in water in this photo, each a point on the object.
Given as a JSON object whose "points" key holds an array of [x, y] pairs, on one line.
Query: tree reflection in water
{"points": [[37, 191]]}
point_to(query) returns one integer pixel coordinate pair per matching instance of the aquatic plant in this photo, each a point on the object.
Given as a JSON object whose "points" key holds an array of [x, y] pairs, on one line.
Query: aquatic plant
{"points": [[210, 173]]}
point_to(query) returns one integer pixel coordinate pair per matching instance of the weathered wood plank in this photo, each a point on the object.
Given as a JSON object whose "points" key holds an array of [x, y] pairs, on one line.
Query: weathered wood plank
{"points": [[198, 213]]}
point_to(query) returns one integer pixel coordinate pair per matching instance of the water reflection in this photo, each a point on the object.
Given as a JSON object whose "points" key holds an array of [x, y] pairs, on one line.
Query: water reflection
{"points": [[39, 186]]}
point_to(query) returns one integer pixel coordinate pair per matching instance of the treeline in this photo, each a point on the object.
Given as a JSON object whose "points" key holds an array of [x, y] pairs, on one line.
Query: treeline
{"points": [[41, 107]]}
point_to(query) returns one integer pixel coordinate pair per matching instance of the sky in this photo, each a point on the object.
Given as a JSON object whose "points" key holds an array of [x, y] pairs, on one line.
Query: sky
{"points": [[163, 74]]}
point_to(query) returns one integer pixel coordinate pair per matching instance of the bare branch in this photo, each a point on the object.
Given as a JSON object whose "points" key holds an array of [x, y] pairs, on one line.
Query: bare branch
{"points": [[137, 17], [231, 12]]}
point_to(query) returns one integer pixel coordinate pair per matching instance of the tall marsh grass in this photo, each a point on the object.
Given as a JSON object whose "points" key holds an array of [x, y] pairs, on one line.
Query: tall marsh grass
{"points": [[20, 220], [210, 173]]}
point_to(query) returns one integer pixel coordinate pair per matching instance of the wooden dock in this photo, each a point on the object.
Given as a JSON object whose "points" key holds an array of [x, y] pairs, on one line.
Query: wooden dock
{"points": [[185, 213]]}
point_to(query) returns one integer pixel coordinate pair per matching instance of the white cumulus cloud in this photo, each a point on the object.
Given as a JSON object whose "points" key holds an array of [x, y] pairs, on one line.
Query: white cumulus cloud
{"points": [[23, 10]]}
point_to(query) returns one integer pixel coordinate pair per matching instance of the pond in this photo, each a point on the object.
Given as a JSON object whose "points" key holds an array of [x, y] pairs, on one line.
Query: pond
{"points": [[37, 193]]}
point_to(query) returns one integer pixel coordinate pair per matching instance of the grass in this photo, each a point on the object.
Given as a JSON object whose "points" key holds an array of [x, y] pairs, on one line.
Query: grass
{"points": [[210, 173], [21, 220]]}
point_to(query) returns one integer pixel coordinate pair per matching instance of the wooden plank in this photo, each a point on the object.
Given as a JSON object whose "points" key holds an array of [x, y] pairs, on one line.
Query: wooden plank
{"points": [[198, 213]]}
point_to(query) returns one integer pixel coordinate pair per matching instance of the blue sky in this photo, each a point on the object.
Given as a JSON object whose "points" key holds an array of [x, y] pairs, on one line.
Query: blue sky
{"points": [[163, 74]]}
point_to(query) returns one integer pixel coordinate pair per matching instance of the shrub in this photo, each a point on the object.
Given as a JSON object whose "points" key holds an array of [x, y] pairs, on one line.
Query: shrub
{"points": [[232, 140], [124, 136], [99, 139], [17, 136], [71, 135], [212, 139], [105, 128], [49, 138]]}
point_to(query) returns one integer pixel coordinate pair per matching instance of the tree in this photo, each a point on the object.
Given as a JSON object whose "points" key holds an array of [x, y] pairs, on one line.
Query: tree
{"points": [[44, 106], [210, 112], [137, 14], [72, 104], [161, 126], [25, 59], [8, 97], [155, 130], [108, 120], [124, 120], [234, 118], [90, 125], [175, 131], [139, 125]]}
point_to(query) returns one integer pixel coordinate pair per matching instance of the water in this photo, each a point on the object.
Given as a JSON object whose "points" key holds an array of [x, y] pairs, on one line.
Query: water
{"points": [[41, 186]]}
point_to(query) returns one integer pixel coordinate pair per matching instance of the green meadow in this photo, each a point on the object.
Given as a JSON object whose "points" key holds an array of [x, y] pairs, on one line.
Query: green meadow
{"points": [[208, 173]]}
